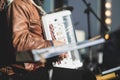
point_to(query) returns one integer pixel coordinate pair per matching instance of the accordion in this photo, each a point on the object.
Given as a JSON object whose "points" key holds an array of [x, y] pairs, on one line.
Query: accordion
{"points": [[62, 30]]}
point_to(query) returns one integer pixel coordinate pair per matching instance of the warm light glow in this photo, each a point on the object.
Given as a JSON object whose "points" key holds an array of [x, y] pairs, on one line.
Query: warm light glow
{"points": [[108, 5], [108, 13], [108, 21], [107, 36]]}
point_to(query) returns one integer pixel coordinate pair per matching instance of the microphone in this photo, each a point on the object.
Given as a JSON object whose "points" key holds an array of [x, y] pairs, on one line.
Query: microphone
{"points": [[63, 8]]}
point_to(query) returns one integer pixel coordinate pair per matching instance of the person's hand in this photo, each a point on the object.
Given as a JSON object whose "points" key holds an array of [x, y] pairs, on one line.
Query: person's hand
{"points": [[62, 55], [58, 43], [29, 66], [33, 66]]}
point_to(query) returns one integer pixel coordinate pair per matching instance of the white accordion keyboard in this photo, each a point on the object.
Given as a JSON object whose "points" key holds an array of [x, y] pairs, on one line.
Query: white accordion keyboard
{"points": [[62, 29]]}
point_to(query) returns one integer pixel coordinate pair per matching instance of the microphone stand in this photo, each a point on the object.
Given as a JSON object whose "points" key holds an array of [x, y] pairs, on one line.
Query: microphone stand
{"points": [[87, 11]]}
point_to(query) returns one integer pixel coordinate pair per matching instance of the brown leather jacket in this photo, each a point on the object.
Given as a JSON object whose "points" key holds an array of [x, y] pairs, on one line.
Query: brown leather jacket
{"points": [[25, 20]]}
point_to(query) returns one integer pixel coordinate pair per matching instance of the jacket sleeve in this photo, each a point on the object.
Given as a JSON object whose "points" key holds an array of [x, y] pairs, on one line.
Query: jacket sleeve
{"points": [[23, 38]]}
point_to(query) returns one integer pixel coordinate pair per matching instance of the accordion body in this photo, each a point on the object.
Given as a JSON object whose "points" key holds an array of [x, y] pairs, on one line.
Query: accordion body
{"points": [[62, 30]]}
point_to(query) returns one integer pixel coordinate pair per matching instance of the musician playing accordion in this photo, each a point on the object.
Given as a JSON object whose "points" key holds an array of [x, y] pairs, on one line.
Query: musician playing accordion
{"points": [[24, 26]]}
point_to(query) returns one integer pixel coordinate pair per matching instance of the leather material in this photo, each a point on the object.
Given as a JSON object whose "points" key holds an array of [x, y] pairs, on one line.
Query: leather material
{"points": [[26, 25]]}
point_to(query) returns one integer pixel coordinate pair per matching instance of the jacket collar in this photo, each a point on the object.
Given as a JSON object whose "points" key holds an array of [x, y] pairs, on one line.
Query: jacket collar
{"points": [[39, 7], [9, 2]]}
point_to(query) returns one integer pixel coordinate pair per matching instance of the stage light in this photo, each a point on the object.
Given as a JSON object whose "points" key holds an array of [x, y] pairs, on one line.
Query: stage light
{"points": [[108, 13], [108, 21], [108, 5]]}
